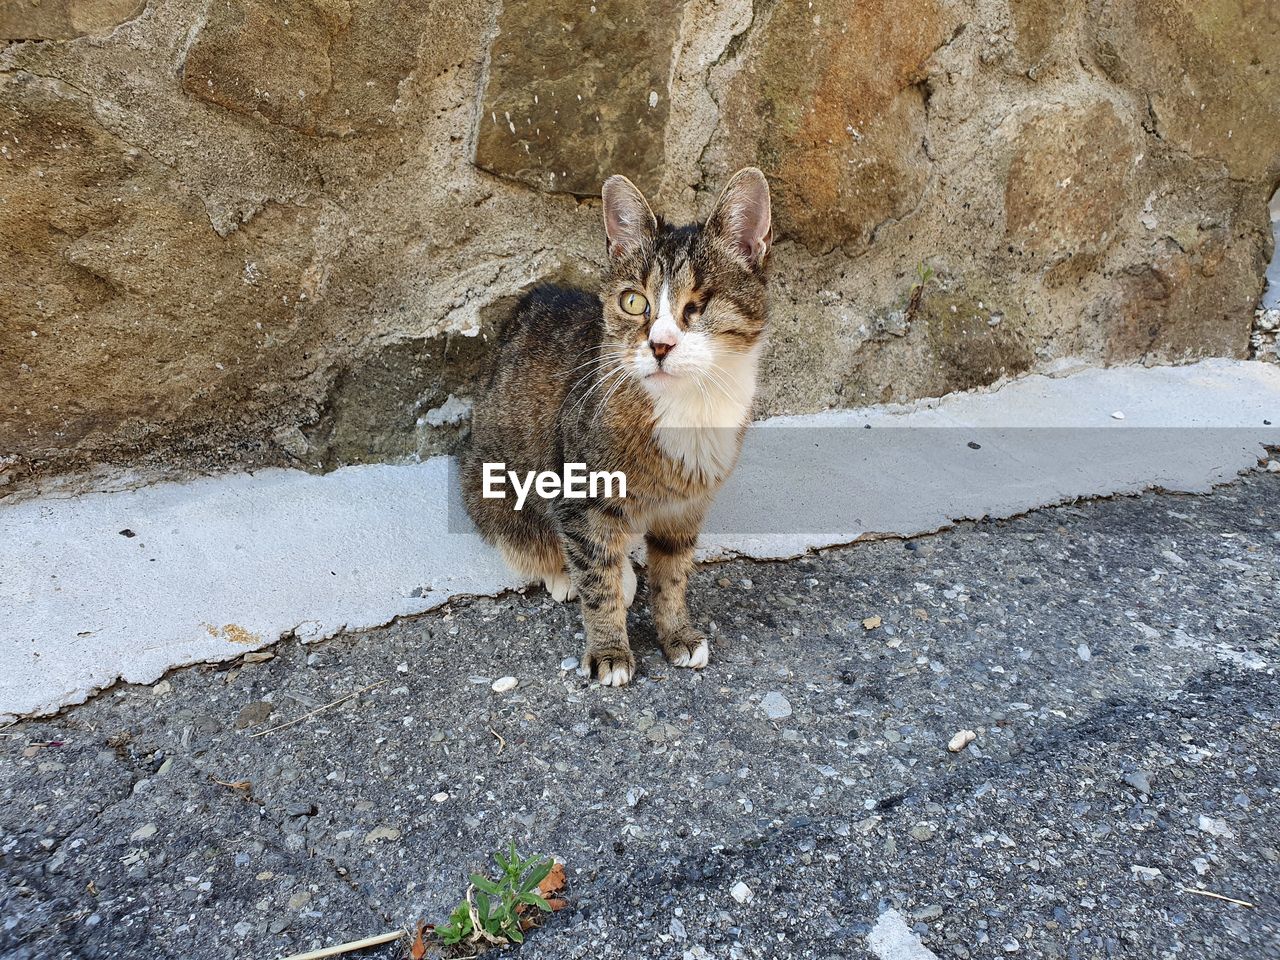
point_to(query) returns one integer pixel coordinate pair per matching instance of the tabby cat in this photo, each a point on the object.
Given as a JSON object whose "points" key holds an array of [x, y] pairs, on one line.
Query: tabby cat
{"points": [[653, 377]]}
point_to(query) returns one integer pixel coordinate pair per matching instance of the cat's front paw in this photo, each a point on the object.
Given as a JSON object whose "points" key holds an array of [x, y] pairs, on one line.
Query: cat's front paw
{"points": [[612, 666], [560, 587], [687, 648]]}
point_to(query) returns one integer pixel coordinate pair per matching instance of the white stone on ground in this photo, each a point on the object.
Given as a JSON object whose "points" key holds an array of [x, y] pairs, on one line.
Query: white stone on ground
{"points": [[775, 706], [892, 939]]}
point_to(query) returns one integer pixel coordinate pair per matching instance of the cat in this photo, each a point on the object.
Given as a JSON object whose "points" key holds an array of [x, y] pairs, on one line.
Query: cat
{"points": [[653, 377]]}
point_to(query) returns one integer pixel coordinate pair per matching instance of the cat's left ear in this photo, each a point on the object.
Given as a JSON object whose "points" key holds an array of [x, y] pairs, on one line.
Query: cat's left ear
{"points": [[741, 221], [629, 224]]}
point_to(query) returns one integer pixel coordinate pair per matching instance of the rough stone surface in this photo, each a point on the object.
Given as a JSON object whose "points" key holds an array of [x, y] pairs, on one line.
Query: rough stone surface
{"points": [[226, 228], [831, 101], [135, 827], [1209, 68], [63, 19], [576, 90], [1068, 180]]}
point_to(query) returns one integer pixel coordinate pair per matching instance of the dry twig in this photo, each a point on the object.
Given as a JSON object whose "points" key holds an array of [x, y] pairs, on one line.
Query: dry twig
{"points": [[348, 947], [501, 743], [312, 713], [1218, 896]]}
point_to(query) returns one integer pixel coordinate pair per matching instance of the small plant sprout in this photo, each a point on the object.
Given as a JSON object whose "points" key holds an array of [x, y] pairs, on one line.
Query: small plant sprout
{"points": [[491, 910], [924, 274]]}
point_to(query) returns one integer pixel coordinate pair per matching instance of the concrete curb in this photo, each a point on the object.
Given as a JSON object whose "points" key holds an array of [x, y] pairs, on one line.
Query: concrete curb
{"points": [[126, 585]]}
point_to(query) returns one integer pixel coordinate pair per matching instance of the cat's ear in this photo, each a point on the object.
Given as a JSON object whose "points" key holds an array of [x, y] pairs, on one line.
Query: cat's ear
{"points": [[741, 221], [629, 224]]}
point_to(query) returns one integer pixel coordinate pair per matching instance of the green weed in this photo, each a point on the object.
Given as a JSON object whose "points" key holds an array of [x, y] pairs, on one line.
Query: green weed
{"points": [[491, 909]]}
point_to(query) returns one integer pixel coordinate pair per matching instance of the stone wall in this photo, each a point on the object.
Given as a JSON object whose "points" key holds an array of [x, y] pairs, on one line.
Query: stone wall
{"points": [[236, 232]]}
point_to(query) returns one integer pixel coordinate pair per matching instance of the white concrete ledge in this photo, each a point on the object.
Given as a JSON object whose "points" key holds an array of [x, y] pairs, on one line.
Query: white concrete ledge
{"points": [[219, 566]]}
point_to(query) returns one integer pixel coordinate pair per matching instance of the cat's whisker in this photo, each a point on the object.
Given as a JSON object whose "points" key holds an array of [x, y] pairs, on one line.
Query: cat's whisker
{"points": [[603, 405], [578, 407], [595, 367], [618, 386], [601, 358], [603, 362], [717, 378], [584, 379]]}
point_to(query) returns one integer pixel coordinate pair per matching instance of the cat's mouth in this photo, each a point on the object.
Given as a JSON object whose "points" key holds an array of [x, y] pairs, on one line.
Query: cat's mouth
{"points": [[659, 376]]}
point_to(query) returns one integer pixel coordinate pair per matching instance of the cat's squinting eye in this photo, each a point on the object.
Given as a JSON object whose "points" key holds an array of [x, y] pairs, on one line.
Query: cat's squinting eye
{"points": [[633, 303], [691, 312]]}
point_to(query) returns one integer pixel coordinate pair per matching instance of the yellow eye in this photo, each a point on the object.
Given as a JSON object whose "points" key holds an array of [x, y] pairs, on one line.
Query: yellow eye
{"points": [[633, 303]]}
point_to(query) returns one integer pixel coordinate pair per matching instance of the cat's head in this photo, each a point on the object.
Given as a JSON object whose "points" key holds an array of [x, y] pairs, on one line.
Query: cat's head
{"points": [[684, 307]]}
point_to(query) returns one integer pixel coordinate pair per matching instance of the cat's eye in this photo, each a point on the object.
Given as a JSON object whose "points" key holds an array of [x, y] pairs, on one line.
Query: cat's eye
{"points": [[633, 303], [691, 312]]}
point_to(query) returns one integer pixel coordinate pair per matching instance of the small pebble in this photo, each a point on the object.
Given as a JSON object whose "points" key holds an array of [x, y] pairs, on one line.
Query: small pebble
{"points": [[1140, 780], [505, 684], [742, 893], [775, 706], [402, 668], [144, 833], [253, 714], [1084, 653], [440, 797], [1216, 828], [961, 740], [569, 663], [1118, 415]]}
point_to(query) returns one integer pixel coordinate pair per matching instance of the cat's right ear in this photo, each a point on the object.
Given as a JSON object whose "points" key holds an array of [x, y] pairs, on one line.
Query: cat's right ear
{"points": [[629, 224]]}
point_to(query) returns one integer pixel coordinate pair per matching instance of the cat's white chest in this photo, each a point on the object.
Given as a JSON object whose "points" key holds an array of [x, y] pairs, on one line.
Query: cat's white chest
{"points": [[697, 423]]}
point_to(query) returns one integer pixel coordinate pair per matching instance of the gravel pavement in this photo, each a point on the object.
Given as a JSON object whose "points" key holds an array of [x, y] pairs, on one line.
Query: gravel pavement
{"points": [[1115, 661]]}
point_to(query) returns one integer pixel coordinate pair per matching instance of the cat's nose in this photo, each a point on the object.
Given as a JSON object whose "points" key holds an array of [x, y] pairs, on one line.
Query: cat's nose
{"points": [[660, 350]]}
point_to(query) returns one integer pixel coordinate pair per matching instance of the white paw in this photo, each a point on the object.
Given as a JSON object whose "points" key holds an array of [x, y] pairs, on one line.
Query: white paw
{"points": [[695, 659], [628, 582], [560, 587], [617, 676]]}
